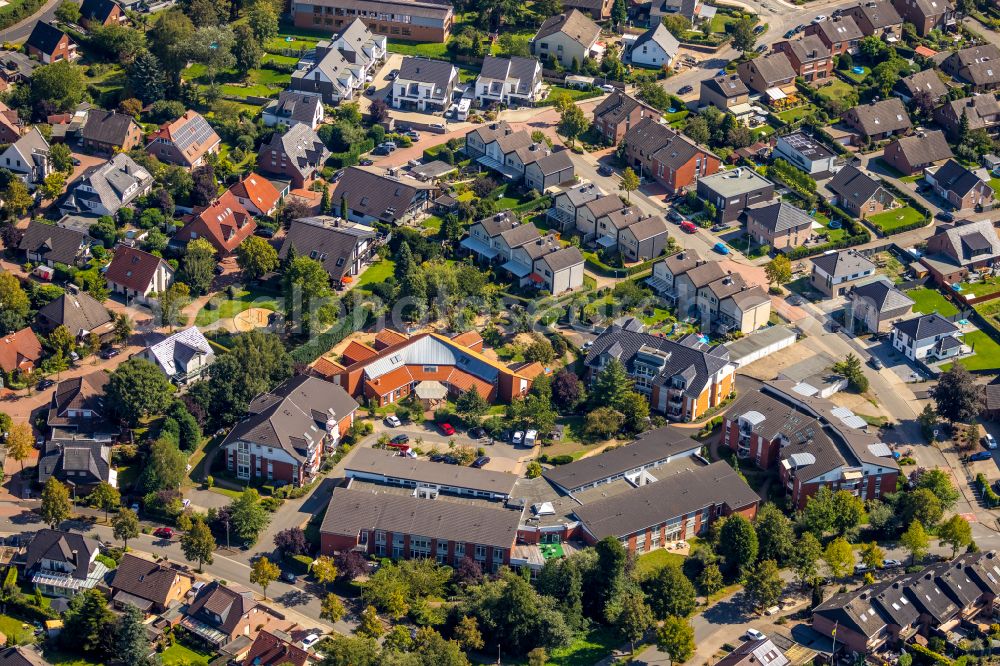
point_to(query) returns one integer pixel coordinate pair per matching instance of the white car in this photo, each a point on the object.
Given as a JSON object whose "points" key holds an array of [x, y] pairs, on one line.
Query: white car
{"points": [[819, 19], [756, 634], [530, 437], [309, 641], [990, 442], [518, 438], [393, 421], [608, 88]]}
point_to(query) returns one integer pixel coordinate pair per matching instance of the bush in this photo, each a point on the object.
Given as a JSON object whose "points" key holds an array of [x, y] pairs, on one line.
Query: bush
{"points": [[267, 489], [271, 504], [299, 564], [564, 459], [107, 561]]}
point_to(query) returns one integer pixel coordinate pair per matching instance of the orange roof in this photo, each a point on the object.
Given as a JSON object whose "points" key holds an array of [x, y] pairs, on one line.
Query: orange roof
{"points": [[20, 350], [258, 190], [190, 134], [388, 337], [225, 221], [463, 381], [468, 339], [536, 278], [529, 370], [925, 51], [327, 367], [390, 381], [357, 351]]}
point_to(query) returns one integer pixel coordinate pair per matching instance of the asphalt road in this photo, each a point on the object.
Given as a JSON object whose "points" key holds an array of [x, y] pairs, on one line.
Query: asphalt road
{"points": [[20, 31]]}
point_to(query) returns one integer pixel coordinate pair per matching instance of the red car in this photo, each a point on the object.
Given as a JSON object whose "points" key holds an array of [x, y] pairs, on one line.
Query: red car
{"points": [[447, 429], [163, 533], [688, 226]]}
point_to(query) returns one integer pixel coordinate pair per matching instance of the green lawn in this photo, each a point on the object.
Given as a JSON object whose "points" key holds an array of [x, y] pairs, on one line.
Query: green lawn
{"points": [[378, 272], [857, 78], [836, 91], [831, 234], [575, 94], [230, 307], [986, 352], [798, 113], [720, 21], [60, 658], [931, 300], [995, 184], [297, 43], [432, 223], [270, 77], [427, 50], [895, 218], [274, 58], [982, 288], [179, 655], [655, 560], [16, 630], [586, 649]]}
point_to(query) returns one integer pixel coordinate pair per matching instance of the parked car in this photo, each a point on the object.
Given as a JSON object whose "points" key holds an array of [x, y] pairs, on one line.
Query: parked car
{"points": [[518, 438], [365, 162], [477, 433], [758, 30], [392, 75], [381, 150], [110, 352], [608, 88], [447, 429], [891, 564], [755, 634], [413, 134], [310, 640], [337, 176], [388, 145], [684, 90], [762, 48], [945, 216], [480, 461], [530, 437], [393, 421], [289, 577], [400, 439], [819, 19], [876, 362], [688, 226], [163, 533], [675, 217], [605, 170], [990, 442], [721, 248], [773, 610], [44, 384], [860, 569], [790, 34], [980, 456]]}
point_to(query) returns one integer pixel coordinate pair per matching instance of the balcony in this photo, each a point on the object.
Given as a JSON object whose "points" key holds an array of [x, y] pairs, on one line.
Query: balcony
{"points": [[742, 451], [563, 219]]}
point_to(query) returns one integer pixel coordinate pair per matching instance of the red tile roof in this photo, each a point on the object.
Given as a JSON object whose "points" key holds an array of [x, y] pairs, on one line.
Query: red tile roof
{"points": [[387, 338], [258, 190], [20, 351], [225, 223], [356, 351], [132, 268], [326, 368], [270, 650]]}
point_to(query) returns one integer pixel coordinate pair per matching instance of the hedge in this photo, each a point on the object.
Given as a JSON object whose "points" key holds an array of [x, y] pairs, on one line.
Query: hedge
{"points": [[350, 158], [989, 496], [928, 656], [540, 202], [322, 343], [298, 564], [431, 153], [16, 12]]}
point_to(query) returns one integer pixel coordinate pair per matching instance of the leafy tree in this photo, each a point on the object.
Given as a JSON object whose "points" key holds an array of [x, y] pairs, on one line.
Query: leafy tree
{"points": [[16, 198], [629, 182], [246, 50], [351, 564], [292, 541], [635, 617], [105, 497], [602, 423], [872, 555], [763, 584], [86, 623], [331, 608], [468, 635], [119, 42], [256, 257], [20, 442], [779, 270], [370, 624], [56, 506], [144, 77], [939, 482], [619, 13], [53, 185], [165, 467], [850, 367], [68, 12], [248, 515], [61, 157], [955, 532], [572, 123], [122, 327], [697, 128], [58, 87], [676, 637], [915, 540], [308, 299], [775, 535], [920, 504], [848, 511], [471, 404], [263, 573], [61, 340], [743, 36], [737, 543], [324, 569], [567, 390], [611, 385], [130, 643], [125, 526], [710, 579], [256, 362], [839, 556], [172, 303], [670, 592], [137, 389], [14, 303], [263, 20], [198, 266], [957, 395]]}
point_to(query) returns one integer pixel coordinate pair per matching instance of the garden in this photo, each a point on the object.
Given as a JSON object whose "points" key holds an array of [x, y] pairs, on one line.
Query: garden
{"points": [[985, 352], [230, 303], [927, 301], [978, 288], [897, 219]]}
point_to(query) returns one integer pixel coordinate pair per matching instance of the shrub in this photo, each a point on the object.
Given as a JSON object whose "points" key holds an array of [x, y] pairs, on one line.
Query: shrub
{"points": [[271, 504], [564, 459], [299, 564], [107, 561]]}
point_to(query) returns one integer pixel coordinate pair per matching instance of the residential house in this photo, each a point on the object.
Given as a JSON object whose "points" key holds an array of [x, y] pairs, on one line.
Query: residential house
{"points": [[494, 239], [840, 34], [878, 18], [77, 411], [152, 587], [257, 195], [590, 213], [813, 442], [554, 168], [63, 564], [28, 158], [100, 13], [21, 656], [138, 275], [879, 120], [762, 652], [957, 249], [424, 85], [859, 194], [340, 65], [496, 140], [836, 272], [341, 246], [694, 11], [927, 337], [927, 81], [293, 107], [82, 464], [109, 132], [221, 612], [731, 304], [412, 20], [982, 111], [976, 66], [724, 92], [599, 10], [664, 155], [11, 125], [567, 38], [78, 311], [731, 192], [912, 154], [510, 153], [682, 379], [185, 141], [20, 351], [275, 648], [105, 189], [644, 239], [656, 48], [514, 81], [875, 306], [373, 195], [50, 44], [926, 15], [49, 244], [666, 271], [779, 224], [809, 57], [960, 187], [766, 72], [806, 153], [224, 223], [15, 67], [617, 113], [183, 356], [297, 154], [568, 204], [558, 271], [288, 430]]}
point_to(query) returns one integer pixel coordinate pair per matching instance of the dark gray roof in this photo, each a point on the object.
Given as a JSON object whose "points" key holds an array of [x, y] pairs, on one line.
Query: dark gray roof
{"points": [[883, 294], [579, 195], [926, 326], [954, 177], [69, 547], [891, 600], [955, 580], [45, 37], [329, 240], [956, 235], [556, 161], [673, 495], [921, 150], [730, 85], [83, 461], [97, 10], [380, 463], [112, 184], [352, 511], [880, 13], [979, 65], [980, 109], [222, 606], [888, 115], [772, 68], [295, 105], [843, 263], [79, 312], [108, 127], [23, 655], [653, 447], [659, 35], [144, 579], [302, 146], [984, 569], [923, 81], [648, 227], [441, 74], [852, 184], [373, 192], [563, 258], [517, 68], [809, 48], [53, 243], [779, 216], [840, 29], [925, 592], [854, 610]]}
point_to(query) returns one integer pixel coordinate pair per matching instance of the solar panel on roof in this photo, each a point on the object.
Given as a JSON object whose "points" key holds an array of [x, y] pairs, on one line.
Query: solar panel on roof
{"points": [[194, 132]]}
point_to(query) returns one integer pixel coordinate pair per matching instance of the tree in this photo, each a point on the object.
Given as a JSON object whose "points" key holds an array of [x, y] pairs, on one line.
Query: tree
{"points": [[263, 20], [670, 592], [737, 543], [572, 123], [331, 608], [263, 573], [58, 87], [291, 541], [538, 657], [61, 157], [122, 327], [567, 390], [308, 299], [848, 511], [20, 442], [872, 555], [763, 585], [125, 526], [173, 301], [743, 36], [629, 183], [468, 635], [611, 385], [53, 185], [105, 497], [324, 570], [915, 540], [137, 389], [370, 624], [957, 395], [86, 623], [839, 556], [14, 303], [955, 532], [246, 50], [198, 266], [939, 482], [56, 506], [471, 404], [165, 468], [130, 642], [61, 340], [635, 617], [775, 535], [619, 13], [710, 579], [256, 362], [851, 368], [144, 77], [248, 515], [256, 257], [676, 637], [920, 504], [351, 564], [778, 270], [68, 12]]}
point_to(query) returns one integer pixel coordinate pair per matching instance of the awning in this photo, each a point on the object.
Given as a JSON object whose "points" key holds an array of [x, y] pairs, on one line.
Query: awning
{"points": [[479, 247], [213, 636], [606, 241], [124, 597], [880, 449], [498, 166], [741, 109], [517, 268], [658, 284], [853, 475], [774, 94]]}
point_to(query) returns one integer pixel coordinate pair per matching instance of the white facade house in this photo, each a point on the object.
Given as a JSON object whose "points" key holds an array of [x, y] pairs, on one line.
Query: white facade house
{"points": [[509, 81], [183, 356], [927, 338], [341, 65], [424, 85], [28, 158], [655, 48]]}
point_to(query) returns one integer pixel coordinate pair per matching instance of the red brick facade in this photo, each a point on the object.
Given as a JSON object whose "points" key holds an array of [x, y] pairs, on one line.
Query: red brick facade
{"points": [[489, 557], [336, 19], [674, 179]]}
